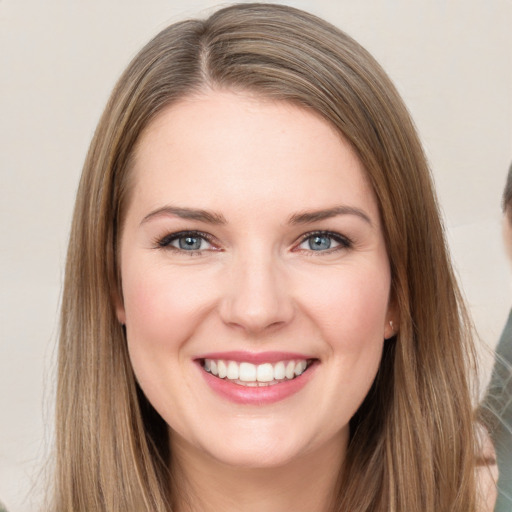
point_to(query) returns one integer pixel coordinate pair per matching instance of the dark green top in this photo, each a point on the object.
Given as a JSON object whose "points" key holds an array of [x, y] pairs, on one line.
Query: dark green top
{"points": [[499, 402]]}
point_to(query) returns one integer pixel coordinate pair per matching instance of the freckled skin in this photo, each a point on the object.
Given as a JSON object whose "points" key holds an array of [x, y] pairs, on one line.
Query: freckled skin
{"points": [[255, 285]]}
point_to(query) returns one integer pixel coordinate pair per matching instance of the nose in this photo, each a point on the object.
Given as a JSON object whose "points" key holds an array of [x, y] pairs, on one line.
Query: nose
{"points": [[257, 296]]}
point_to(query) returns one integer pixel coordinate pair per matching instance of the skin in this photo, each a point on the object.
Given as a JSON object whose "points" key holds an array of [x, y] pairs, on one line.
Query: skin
{"points": [[255, 285], [507, 233]]}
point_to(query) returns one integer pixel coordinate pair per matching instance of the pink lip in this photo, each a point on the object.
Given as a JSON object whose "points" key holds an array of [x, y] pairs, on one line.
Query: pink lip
{"points": [[263, 395], [254, 357]]}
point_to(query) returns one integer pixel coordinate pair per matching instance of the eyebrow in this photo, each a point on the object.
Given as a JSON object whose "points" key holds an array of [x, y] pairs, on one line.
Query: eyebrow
{"points": [[186, 213], [308, 217], [209, 217]]}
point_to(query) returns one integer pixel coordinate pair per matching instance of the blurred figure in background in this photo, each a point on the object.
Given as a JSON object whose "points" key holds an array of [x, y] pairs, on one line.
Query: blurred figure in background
{"points": [[498, 401]]}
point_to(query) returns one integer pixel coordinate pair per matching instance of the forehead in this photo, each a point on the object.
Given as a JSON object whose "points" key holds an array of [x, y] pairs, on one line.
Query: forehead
{"points": [[222, 149]]}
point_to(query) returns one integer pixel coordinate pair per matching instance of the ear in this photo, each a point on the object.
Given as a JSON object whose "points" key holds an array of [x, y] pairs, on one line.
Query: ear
{"points": [[118, 302], [390, 329], [392, 321]]}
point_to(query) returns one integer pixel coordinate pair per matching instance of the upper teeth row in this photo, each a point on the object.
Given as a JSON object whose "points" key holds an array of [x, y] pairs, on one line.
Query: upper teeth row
{"points": [[248, 372]]}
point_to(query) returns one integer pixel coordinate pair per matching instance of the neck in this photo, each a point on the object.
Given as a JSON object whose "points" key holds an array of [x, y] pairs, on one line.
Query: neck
{"points": [[306, 484]]}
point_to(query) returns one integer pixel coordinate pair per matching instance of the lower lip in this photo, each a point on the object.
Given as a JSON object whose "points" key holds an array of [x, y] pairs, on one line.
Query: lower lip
{"points": [[261, 395]]}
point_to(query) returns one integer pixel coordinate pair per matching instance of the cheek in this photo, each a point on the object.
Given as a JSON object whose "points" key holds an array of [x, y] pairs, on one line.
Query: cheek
{"points": [[157, 300], [163, 309], [349, 312], [351, 307]]}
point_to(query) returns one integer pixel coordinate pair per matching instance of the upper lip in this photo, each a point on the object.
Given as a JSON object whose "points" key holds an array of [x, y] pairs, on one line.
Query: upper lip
{"points": [[255, 357]]}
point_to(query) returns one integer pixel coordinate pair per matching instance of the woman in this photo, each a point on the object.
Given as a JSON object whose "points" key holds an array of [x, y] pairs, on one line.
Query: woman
{"points": [[259, 312]]}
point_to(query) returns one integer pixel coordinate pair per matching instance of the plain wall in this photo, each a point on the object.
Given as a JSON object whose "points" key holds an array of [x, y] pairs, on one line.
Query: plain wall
{"points": [[452, 62]]}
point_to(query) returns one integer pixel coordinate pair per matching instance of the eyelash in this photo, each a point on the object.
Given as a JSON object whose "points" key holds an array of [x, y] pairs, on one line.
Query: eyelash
{"points": [[166, 241], [343, 241]]}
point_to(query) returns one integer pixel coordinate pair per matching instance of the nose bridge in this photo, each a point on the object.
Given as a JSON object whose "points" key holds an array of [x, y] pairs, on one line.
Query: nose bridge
{"points": [[257, 297]]}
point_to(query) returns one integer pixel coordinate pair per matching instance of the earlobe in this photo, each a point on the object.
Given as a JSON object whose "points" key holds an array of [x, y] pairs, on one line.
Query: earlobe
{"points": [[119, 308], [390, 329], [392, 325], [121, 316]]}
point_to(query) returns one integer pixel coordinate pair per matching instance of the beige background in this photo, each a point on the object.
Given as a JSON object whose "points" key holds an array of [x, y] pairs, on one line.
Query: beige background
{"points": [[451, 60]]}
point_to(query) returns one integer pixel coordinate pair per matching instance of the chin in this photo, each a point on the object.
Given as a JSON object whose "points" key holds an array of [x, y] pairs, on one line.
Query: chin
{"points": [[255, 458], [256, 451]]}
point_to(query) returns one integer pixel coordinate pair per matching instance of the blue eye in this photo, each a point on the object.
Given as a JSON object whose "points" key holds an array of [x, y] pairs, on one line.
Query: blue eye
{"points": [[319, 242], [323, 241], [185, 241], [189, 243]]}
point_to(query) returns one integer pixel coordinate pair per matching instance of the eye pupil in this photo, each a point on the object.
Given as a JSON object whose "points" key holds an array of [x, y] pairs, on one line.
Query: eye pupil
{"points": [[319, 242], [190, 243]]}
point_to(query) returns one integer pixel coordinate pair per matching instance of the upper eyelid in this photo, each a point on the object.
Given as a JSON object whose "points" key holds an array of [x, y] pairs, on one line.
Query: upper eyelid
{"points": [[170, 237], [343, 243], [332, 234]]}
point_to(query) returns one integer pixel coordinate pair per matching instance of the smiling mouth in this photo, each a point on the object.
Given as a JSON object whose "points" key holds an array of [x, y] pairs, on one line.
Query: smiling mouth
{"points": [[256, 375]]}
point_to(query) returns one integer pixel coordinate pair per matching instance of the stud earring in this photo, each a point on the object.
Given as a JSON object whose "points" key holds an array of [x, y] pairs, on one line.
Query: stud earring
{"points": [[392, 328]]}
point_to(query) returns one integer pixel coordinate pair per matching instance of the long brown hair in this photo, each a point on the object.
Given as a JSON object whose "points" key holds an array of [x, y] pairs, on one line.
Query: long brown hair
{"points": [[412, 442]]}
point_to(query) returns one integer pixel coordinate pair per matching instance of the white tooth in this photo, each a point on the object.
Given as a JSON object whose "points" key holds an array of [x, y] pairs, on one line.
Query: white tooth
{"points": [[207, 365], [222, 368], [213, 367], [290, 370], [265, 372], [279, 371], [232, 370], [247, 372], [300, 367]]}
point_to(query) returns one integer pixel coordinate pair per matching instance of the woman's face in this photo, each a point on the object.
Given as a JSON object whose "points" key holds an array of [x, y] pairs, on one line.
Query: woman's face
{"points": [[255, 279]]}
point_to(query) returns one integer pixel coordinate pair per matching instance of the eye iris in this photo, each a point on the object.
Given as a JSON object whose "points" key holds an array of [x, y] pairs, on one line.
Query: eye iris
{"points": [[319, 243], [190, 243]]}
